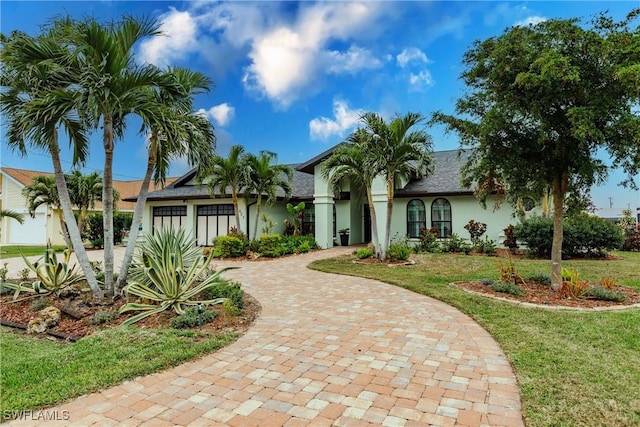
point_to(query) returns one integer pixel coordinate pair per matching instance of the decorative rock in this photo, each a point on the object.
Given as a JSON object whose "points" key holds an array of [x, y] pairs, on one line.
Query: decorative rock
{"points": [[36, 326], [50, 315]]}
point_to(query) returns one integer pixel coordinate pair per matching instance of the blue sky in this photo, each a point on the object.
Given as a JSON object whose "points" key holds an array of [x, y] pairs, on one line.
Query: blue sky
{"points": [[293, 77]]}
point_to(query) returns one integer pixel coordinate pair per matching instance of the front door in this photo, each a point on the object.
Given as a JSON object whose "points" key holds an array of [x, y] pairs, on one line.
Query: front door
{"points": [[367, 224]]}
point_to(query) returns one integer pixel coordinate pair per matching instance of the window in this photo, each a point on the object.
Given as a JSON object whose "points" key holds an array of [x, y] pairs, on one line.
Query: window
{"points": [[169, 216], [528, 204], [416, 218], [441, 217], [309, 220], [213, 221]]}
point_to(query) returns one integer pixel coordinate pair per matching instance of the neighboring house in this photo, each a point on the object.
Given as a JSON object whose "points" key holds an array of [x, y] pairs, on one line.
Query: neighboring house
{"points": [[437, 201], [45, 225]]}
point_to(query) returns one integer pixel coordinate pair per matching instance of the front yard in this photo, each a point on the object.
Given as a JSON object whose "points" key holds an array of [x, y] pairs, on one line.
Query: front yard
{"points": [[574, 368]]}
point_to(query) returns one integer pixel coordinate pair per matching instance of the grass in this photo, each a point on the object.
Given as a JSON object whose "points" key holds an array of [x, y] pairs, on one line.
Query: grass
{"points": [[15, 251], [37, 372], [574, 369]]}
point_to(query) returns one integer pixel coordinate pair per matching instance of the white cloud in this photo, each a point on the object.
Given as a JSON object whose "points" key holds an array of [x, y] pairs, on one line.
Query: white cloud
{"points": [[345, 119], [531, 20], [419, 82], [411, 54], [178, 40], [222, 113], [352, 61]]}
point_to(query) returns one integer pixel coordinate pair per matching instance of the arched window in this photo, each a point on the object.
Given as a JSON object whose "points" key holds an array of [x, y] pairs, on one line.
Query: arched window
{"points": [[416, 218], [441, 217]]}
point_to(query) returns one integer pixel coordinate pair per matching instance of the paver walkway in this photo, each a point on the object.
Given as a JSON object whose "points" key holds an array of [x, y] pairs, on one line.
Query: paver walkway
{"points": [[326, 350]]}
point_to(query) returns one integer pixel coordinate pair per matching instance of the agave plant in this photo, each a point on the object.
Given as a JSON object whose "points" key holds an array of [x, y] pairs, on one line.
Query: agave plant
{"points": [[167, 273], [53, 276]]}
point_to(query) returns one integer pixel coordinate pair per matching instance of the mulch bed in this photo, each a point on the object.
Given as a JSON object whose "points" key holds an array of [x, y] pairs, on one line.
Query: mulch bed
{"points": [[536, 293], [21, 312]]}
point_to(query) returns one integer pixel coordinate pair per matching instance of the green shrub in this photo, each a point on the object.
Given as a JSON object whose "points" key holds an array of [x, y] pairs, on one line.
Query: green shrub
{"points": [[428, 240], [584, 235], [364, 253], [304, 247], [507, 288], [275, 245], [190, 318], [510, 240], [39, 304], [226, 289], [543, 279], [399, 252], [103, 316], [455, 243], [632, 240], [94, 227], [486, 246], [270, 246], [229, 247], [604, 294]]}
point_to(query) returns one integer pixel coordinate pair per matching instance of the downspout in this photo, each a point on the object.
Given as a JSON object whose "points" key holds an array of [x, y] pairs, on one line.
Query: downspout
{"points": [[249, 216]]}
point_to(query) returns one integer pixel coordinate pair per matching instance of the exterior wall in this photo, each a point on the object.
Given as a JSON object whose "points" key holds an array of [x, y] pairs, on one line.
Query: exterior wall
{"points": [[463, 209]]}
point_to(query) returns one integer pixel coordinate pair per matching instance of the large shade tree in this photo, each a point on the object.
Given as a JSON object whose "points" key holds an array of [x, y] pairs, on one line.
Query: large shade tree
{"points": [[264, 179], [543, 101], [229, 173], [400, 150], [113, 86], [179, 133], [38, 98]]}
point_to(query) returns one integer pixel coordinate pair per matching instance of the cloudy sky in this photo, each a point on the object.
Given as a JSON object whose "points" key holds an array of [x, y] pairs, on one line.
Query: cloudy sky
{"points": [[293, 77]]}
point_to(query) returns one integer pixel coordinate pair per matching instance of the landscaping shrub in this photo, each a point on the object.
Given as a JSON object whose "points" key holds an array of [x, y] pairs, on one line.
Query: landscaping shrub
{"points": [[229, 247], [486, 246], [399, 252], [428, 240], [103, 316], [226, 289], [510, 240], [543, 279], [270, 245], [94, 227], [275, 245], [190, 318], [476, 230], [507, 288], [604, 294], [572, 286], [584, 235], [39, 304], [455, 243], [304, 247], [364, 253], [632, 240]]}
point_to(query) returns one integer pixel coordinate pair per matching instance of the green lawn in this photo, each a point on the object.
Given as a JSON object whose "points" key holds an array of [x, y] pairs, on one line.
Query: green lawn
{"points": [[574, 369], [15, 251], [38, 372]]}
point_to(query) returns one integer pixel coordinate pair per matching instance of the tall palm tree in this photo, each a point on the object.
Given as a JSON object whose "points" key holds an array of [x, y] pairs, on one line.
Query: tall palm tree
{"points": [[180, 133], [112, 87], [229, 173], [39, 97], [85, 191], [264, 179], [352, 163], [399, 152], [43, 191], [6, 213]]}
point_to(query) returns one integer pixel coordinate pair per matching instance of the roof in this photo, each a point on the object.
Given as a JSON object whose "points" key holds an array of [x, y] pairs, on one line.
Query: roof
{"points": [[309, 165], [126, 189], [301, 188], [446, 178]]}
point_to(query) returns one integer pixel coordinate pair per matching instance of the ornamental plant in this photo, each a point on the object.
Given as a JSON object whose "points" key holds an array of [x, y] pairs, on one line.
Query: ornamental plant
{"points": [[167, 274]]}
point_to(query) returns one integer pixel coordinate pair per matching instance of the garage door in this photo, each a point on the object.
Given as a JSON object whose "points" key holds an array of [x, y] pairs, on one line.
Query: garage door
{"points": [[32, 232]]}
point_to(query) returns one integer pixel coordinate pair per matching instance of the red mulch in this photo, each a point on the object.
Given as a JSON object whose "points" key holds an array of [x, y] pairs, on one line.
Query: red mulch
{"points": [[537, 293], [21, 312]]}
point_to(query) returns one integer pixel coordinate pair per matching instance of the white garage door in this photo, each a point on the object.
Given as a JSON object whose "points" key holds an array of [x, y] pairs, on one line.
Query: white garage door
{"points": [[32, 232]]}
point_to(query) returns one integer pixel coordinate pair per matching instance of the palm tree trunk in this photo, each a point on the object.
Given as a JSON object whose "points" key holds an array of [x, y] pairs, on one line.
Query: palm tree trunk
{"points": [[107, 205], [387, 228], [559, 188], [72, 227], [234, 197], [374, 227], [63, 225], [255, 225], [133, 232]]}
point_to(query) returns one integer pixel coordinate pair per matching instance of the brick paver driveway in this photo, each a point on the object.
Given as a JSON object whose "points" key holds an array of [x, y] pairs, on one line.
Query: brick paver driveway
{"points": [[327, 350]]}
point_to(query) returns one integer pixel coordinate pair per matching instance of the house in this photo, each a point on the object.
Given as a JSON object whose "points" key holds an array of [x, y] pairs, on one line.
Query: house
{"points": [[45, 225], [437, 201]]}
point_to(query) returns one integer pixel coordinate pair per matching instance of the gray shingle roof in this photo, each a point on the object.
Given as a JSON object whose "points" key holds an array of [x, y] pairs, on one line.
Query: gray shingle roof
{"points": [[446, 178]]}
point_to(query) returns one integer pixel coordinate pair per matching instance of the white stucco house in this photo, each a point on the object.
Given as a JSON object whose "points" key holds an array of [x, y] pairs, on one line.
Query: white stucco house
{"points": [[437, 201]]}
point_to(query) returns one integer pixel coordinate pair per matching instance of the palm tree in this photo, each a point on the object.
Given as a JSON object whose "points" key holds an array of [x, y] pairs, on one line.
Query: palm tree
{"points": [[264, 179], [352, 163], [399, 152], [112, 87], [229, 173], [85, 191], [5, 213], [180, 133], [43, 191], [38, 97]]}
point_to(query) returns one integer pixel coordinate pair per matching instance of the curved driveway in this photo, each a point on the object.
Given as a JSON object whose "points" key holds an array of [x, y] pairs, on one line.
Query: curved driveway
{"points": [[326, 350]]}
